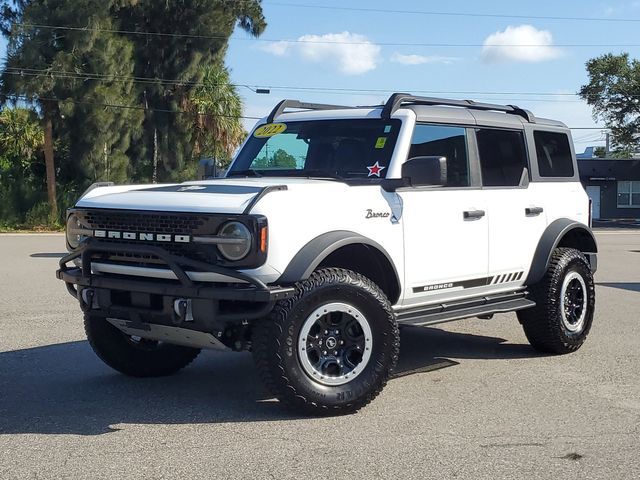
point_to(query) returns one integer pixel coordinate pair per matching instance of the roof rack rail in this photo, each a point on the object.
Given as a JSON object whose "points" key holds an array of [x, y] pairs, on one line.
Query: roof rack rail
{"points": [[398, 99], [284, 104]]}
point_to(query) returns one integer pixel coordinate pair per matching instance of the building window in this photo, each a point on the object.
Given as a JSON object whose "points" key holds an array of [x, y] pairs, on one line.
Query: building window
{"points": [[629, 194]]}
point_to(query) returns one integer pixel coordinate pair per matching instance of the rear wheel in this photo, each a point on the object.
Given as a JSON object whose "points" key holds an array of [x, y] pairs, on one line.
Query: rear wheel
{"points": [[132, 355], [331, 348], [565, 302]]}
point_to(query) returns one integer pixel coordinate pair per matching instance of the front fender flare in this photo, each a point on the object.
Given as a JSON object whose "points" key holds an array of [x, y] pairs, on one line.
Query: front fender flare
{"points": [[313, 253]]}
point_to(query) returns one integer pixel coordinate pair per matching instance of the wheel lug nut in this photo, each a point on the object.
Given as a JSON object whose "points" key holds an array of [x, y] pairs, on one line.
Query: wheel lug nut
{"points": [[341, 342], [335, 353], [324, 352], [326, 332]]}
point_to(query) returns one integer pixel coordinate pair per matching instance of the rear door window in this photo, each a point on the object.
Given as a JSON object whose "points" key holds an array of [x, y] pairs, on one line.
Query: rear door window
{"points": [[503, 156], [554, 154]]}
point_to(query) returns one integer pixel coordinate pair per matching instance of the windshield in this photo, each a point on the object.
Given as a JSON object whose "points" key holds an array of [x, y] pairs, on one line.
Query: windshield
{"points": [[344, 149]]}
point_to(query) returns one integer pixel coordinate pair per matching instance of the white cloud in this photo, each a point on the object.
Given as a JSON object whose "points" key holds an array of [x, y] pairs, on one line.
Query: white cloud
{"points": [[523, 43], [276, 48], [350, 53], [414, 59]]}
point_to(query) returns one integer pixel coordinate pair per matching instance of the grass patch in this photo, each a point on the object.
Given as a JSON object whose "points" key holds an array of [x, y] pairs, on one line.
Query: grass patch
{"points": [[25, 228]]}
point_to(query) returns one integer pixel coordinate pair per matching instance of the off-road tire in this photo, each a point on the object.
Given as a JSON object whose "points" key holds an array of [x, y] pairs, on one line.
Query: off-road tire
{"points": [[543, 325], [145, 359], [275, 344]]}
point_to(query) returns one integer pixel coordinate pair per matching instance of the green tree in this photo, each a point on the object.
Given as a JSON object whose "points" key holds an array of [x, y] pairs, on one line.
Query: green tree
{"points": [[279, 159], [217, 107], [21, 135], [613, 92], [21, 140], [176, 63], [112, 82], [282, 159], [70, 75]]}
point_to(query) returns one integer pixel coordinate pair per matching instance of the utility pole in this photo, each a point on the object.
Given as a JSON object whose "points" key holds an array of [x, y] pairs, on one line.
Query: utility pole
{"points": [[607, 145], [48, 112]]}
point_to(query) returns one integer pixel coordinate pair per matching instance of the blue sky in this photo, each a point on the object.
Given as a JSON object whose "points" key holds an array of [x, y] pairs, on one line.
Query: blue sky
{"points": [[357, 57], [339, 51]]}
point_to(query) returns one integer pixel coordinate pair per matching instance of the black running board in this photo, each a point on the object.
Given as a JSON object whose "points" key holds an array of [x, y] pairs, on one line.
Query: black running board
{"points": [[474, 307]]}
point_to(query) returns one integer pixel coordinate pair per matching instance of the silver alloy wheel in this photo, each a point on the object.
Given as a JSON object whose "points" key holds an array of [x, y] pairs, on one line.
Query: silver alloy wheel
{"points": [[573, 302], [334, 345]]}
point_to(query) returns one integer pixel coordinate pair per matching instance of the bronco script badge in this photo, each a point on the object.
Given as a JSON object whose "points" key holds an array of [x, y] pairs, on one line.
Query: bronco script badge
{"points": [[371, 214]]}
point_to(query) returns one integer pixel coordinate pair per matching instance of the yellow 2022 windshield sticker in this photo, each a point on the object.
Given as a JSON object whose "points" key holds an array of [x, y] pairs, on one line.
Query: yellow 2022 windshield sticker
{"points": [[269, 130]]}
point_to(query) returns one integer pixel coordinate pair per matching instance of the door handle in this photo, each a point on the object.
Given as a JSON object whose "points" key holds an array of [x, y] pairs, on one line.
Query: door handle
{"points": [[471, 214], [533, 210]]}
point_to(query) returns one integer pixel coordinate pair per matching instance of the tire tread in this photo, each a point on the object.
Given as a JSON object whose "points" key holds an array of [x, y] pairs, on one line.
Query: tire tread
{"points": [[266, 344], [110, 345], [540, 323]]}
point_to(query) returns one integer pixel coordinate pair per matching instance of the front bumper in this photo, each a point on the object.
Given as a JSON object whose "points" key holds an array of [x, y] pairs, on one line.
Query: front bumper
{"points": [[248, 289]]}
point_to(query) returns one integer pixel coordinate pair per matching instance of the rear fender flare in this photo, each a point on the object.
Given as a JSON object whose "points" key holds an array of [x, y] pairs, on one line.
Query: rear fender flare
{"points": [[552, 238]]}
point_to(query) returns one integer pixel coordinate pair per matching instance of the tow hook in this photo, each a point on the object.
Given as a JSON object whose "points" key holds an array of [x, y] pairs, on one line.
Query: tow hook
{"points": [[183, 309], [87, 297]]}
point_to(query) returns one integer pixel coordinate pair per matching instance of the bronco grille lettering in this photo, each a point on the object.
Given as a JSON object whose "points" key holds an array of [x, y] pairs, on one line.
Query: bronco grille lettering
{"points": [[145, 237]]}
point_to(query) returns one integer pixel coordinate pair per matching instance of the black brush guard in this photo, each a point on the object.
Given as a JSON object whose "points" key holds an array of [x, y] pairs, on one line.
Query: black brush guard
{"points": [[247, 289]]}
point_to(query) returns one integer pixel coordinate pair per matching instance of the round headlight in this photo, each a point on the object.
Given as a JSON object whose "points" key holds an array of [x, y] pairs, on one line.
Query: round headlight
{"points": [[73, 232], [236, 241]]}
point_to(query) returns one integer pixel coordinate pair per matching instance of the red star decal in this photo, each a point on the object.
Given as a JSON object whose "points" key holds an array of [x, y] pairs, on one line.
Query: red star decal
{"points": [[375, 169]]}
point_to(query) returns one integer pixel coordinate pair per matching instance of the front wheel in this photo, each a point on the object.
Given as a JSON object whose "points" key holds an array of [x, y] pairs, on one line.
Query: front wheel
{"points": [[565, 303], [331, 348], [135, 356]]}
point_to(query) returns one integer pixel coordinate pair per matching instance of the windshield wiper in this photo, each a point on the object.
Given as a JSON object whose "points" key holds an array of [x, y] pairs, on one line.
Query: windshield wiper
{"points": [[318, 174], [244, 173]]}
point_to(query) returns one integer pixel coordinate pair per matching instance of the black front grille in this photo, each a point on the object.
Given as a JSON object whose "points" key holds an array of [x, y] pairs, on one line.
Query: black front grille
{"points": [[176, 223], [156, 223]]}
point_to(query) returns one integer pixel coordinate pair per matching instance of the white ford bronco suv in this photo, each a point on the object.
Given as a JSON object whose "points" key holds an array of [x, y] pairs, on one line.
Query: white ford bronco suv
{"points": [[333, 227]]}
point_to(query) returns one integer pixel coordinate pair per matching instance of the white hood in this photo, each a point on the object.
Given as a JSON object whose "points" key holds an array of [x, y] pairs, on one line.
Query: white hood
{"points": [[211, 196]]}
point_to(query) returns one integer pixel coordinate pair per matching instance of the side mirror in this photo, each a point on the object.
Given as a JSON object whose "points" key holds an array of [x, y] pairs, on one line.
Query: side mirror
{"points": [[424, 171], [206, 169]]}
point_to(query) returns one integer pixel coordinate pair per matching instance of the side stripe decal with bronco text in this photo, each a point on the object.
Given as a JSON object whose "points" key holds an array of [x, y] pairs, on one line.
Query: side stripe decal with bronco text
{"points": [[475, 282]]}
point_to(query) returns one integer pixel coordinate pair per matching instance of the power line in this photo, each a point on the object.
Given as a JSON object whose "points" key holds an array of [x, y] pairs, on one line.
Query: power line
{"points": [[350, 92], [128, 107], [590, 137], [33, 72], [315, 41], [451, 14], [104, 77], [137, 107]]}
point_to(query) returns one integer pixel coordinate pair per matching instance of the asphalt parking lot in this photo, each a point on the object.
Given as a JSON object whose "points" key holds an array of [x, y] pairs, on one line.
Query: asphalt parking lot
{"points": [[485, 405]]}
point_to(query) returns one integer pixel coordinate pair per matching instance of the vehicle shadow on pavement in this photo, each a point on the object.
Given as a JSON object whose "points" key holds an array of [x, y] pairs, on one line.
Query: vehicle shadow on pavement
{"points": [[631, 286], [65, 389]]}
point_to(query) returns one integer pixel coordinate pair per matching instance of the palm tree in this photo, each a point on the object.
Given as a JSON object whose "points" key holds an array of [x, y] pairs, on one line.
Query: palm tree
{"points": [[21, 135], [217, 108]]}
